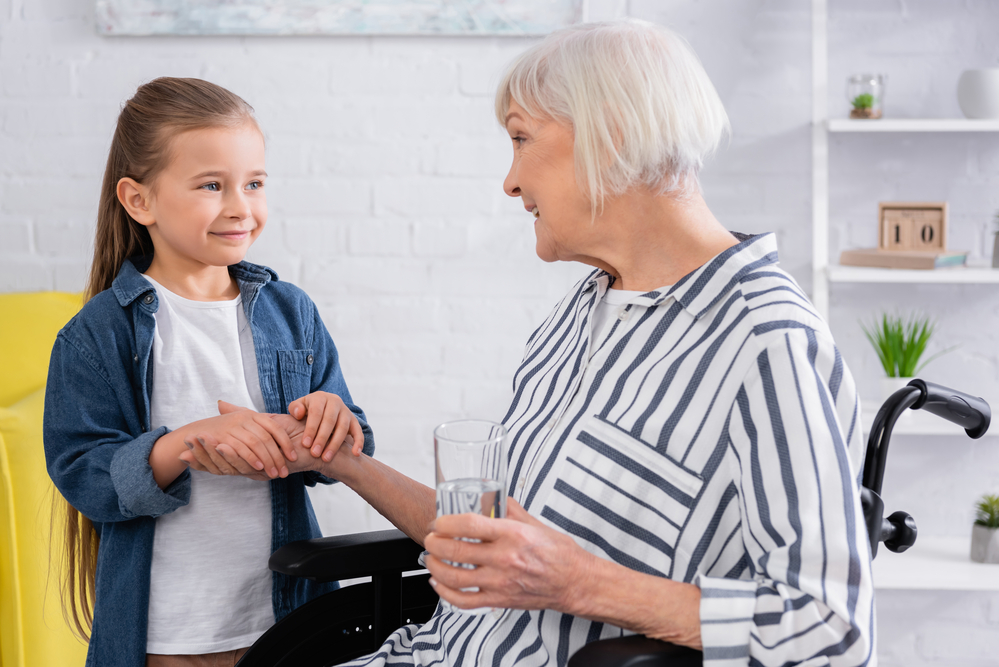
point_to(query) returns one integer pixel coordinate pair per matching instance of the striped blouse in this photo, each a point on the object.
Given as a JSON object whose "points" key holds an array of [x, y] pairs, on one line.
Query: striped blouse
{"points": [[712, 436]]}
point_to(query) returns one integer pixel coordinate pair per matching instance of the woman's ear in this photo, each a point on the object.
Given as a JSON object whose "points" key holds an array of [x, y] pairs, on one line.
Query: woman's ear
{"points": [[134, 196]]}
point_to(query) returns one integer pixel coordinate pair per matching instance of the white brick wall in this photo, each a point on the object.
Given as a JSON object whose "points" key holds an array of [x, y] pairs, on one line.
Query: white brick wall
{"points": [[386, 206], [938, 629]]}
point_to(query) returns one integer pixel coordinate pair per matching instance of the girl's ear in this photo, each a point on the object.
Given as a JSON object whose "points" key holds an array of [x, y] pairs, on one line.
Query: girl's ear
{"points": [[135, 198]]}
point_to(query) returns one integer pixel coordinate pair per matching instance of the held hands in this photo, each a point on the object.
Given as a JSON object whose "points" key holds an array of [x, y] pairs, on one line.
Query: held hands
{"points": [[264, 447], [224, 454], [520, 562]]}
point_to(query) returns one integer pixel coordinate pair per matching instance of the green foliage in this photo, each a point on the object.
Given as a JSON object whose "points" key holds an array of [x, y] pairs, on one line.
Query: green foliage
{"points": [[987, 511], [863, 101], [901, 342]]}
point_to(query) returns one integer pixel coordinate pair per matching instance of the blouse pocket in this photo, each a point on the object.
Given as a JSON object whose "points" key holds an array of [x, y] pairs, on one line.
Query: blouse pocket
{"points": [[295, 373], [618, 496]]}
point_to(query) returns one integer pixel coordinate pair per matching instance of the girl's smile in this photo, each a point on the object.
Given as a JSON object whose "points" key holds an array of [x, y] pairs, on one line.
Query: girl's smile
{"points": [[234, 235]]}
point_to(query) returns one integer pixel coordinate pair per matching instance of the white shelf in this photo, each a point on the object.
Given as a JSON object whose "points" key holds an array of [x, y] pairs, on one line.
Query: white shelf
{"points": [[825, 272], [934, 564], [914, 125], [864, 274]]}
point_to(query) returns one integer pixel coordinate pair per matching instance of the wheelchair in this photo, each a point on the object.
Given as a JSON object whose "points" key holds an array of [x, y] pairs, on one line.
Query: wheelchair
{"points": [[354, 621]]}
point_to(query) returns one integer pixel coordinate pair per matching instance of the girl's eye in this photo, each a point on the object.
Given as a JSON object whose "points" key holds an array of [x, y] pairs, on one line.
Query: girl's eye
{"points": [[211, 187], [255, 185]]}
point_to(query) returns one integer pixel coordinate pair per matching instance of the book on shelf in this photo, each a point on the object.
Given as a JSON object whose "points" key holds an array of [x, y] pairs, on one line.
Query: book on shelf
{"points": [[903, 259]]}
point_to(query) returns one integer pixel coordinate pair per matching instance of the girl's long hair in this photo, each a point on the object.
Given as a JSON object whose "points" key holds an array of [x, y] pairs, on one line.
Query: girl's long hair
{"points": [[140, 149]]}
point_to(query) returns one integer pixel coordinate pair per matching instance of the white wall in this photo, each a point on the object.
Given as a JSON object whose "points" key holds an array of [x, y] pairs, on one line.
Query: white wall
{"points": [[386, 202]]}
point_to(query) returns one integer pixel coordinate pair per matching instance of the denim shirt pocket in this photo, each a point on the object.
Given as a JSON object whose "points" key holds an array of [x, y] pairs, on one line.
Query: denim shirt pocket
{"points": [[622, 498], [295, 374]]}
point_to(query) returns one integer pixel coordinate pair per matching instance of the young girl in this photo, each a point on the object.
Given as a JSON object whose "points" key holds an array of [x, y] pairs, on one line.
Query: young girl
{"points": [[175, 322]]}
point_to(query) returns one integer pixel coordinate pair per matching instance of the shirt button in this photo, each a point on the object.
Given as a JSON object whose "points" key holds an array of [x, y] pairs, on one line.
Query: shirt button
{"points": [[309, 359], [148, 299], [623, 315], [135, 358], [521, 482], [551, 425]]}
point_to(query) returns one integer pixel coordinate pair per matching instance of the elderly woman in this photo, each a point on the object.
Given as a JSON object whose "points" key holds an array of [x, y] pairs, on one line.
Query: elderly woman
{"points": [[684, 436]]}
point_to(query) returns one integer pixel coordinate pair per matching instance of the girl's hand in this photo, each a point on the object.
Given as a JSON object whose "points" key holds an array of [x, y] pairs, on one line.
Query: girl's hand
{"points": [[327, 422], [520, 562], [253, 437], [207, 455]]}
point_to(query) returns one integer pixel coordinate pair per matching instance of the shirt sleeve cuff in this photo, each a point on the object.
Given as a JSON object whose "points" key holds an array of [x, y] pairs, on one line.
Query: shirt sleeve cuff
{"points": [[132, 476], [727, 607]]}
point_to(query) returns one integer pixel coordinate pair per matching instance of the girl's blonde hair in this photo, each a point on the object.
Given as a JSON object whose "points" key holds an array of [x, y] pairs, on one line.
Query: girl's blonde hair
{"points": [[641, 106], [140, 149]]}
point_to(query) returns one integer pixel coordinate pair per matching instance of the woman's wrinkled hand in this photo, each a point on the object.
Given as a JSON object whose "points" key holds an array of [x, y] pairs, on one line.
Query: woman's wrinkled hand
{"points": [[520, 562], [296, 429]]}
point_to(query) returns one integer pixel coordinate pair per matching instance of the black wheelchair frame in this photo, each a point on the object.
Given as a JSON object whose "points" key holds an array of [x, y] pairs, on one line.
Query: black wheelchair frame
{"points": [[354, 621]]}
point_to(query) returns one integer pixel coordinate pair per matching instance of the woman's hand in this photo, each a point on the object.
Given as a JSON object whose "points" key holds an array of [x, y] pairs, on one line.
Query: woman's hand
{"points": [[520, 562], [523, 564]]}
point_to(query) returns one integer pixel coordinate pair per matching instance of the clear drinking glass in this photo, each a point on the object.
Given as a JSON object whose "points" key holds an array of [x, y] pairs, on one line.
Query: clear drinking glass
{"points": [[471, 474]]}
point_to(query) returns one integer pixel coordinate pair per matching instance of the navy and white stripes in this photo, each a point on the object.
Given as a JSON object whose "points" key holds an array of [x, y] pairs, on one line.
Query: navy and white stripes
{"points": [[711, 436]]}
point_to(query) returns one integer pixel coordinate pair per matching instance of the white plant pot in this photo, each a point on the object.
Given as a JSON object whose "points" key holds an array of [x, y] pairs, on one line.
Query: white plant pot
{"points": [[978, 93], [984, 544], [890, 385]]}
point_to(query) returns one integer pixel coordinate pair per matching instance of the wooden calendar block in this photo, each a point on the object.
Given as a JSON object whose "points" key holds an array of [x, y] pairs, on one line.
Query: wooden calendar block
{"points": [[910, 226]]}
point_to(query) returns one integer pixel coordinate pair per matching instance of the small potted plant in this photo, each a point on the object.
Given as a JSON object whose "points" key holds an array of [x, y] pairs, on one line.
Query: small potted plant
{"points": [[863, 107], [985, 532], [865, 93], [900, 343]]}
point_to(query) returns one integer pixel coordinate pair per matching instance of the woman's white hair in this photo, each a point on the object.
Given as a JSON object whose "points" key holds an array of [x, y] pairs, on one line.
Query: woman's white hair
{"points": [[641, 106]]}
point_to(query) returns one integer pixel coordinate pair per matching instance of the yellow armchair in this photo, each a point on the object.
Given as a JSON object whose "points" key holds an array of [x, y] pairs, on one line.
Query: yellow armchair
{"points": [[32, 630]]}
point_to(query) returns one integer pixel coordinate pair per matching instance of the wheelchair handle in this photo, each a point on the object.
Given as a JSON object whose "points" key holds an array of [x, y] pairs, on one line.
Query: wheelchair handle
{"points": [[973, 414], [969, 412]]}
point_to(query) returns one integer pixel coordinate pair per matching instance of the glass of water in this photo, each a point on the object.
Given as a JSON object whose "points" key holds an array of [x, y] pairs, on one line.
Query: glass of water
{"points": [[471, 475]]}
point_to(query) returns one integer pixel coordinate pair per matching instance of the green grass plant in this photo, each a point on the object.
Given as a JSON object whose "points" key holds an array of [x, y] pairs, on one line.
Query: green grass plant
{"points": [[900, 343], [987, 511]]}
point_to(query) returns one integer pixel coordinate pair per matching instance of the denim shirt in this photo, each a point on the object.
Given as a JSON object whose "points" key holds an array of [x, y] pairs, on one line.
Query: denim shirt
{"points": [[98, 437]]}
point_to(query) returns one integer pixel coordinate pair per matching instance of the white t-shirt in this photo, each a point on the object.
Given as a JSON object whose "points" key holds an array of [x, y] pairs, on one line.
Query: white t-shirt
{"points": [[210, 587], [609, 309]]}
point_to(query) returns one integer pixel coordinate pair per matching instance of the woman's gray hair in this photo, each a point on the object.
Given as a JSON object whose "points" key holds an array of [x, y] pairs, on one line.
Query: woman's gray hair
{"points": [[641, 106]]}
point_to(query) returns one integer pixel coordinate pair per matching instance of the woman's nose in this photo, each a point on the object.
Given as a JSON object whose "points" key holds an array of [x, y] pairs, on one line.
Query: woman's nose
{"points": [[510, 184]]}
